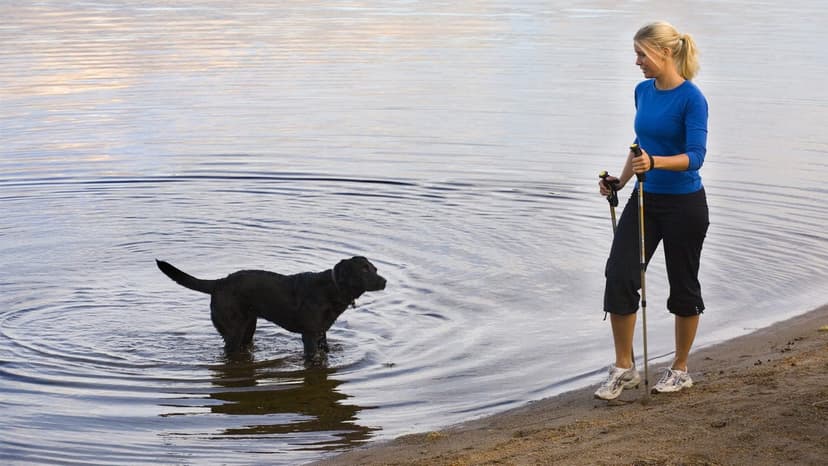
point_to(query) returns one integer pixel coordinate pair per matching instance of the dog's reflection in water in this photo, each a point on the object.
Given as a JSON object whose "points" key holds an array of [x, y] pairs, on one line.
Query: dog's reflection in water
{"points": [[308, 398]]}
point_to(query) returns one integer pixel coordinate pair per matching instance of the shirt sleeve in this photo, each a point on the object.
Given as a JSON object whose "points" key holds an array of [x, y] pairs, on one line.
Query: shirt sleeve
{"points": [[696, 127]]}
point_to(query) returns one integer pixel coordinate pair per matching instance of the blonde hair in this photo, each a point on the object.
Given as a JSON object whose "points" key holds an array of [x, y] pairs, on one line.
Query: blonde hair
{"points": [[662, 35]]}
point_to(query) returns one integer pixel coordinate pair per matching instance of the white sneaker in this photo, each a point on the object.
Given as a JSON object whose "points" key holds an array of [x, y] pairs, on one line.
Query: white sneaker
{"points": [[672, 381], [618, 380]]}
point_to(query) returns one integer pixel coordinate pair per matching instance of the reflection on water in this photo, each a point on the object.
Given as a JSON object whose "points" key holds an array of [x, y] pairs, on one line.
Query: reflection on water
{"points": [[455, 144], [263, 389]]}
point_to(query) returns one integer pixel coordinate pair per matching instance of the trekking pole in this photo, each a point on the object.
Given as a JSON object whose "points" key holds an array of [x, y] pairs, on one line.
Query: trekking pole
{"points": [[641, 177], [612, 197]]}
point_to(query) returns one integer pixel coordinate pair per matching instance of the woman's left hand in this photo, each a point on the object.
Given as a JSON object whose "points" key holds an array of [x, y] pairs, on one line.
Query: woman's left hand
{"points": [[642, 163]]}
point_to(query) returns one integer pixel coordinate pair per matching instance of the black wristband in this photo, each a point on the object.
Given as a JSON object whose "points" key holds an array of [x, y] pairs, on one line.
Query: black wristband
{"points": [[652, 162]]}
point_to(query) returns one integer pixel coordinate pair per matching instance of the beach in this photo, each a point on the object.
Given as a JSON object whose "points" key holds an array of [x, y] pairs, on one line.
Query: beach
{"points": [[759, 399]]}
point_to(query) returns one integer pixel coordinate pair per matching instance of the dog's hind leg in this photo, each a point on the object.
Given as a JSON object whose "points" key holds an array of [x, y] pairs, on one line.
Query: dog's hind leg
{"points": [[238, 339], [235, 326], [249, 330]]}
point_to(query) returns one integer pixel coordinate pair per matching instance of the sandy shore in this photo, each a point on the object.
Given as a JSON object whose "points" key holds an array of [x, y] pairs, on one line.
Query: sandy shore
{"points": [[761, 399]]}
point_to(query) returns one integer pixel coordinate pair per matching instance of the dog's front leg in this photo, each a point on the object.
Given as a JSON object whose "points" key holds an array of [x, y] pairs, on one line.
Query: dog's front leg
{"points": [[323, 343], [311, 342]]}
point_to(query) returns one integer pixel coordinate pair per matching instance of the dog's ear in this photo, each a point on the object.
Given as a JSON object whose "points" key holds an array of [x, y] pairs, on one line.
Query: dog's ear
{"points": [[348, 272], [347, 269]]}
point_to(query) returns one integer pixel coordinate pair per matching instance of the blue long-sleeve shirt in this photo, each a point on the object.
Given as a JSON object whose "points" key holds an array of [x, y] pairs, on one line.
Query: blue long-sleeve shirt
{"points": [[672, 122]]}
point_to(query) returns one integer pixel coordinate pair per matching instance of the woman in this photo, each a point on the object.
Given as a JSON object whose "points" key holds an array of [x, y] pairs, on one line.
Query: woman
{"points": [[671, 130]]}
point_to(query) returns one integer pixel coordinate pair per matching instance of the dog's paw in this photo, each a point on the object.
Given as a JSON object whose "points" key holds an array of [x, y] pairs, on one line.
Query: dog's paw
{"points": [[320, 359]]}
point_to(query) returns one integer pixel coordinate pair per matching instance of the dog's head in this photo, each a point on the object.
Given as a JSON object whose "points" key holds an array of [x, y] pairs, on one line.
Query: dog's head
{"points": [[358, 275]]}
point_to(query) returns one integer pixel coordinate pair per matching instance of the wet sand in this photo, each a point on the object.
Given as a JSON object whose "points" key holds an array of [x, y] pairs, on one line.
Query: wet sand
{"points": [[760, 399]]}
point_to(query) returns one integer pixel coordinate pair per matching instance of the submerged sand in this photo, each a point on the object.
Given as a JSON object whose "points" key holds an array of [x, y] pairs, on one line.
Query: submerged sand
{"points": [[760, 399]]}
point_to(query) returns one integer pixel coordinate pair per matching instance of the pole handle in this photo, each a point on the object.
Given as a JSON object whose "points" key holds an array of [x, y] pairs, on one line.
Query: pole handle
{"points": [[636, 150], [612, 197]]}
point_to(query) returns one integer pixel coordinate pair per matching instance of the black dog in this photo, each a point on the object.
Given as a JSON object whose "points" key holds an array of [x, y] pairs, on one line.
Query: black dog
{"points": [[306, 303]]}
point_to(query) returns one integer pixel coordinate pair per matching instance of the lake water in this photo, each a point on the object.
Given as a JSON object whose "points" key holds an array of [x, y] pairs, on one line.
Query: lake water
{"points": [[455, 144]]}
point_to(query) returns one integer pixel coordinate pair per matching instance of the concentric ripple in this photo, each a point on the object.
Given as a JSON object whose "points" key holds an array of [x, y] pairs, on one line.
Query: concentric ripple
{"points": [[101, 340], [99, 344]]}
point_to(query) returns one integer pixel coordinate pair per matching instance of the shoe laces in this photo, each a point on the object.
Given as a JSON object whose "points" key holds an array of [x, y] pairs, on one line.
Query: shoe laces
{"points": [[668, 374]]}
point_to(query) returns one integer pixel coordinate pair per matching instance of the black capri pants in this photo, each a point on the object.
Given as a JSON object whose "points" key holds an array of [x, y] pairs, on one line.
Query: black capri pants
{"points": [[680, 221]]}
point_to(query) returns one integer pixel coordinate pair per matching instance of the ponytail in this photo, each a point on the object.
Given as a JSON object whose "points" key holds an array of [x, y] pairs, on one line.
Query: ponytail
{"points": [[687, 57]]}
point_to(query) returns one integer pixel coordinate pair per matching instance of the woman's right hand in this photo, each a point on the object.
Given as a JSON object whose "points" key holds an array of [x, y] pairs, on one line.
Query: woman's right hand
{"points": [[604, 185]]}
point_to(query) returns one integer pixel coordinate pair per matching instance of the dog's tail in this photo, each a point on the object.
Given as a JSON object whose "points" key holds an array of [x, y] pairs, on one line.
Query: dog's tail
{"points": [[185, 280]]}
